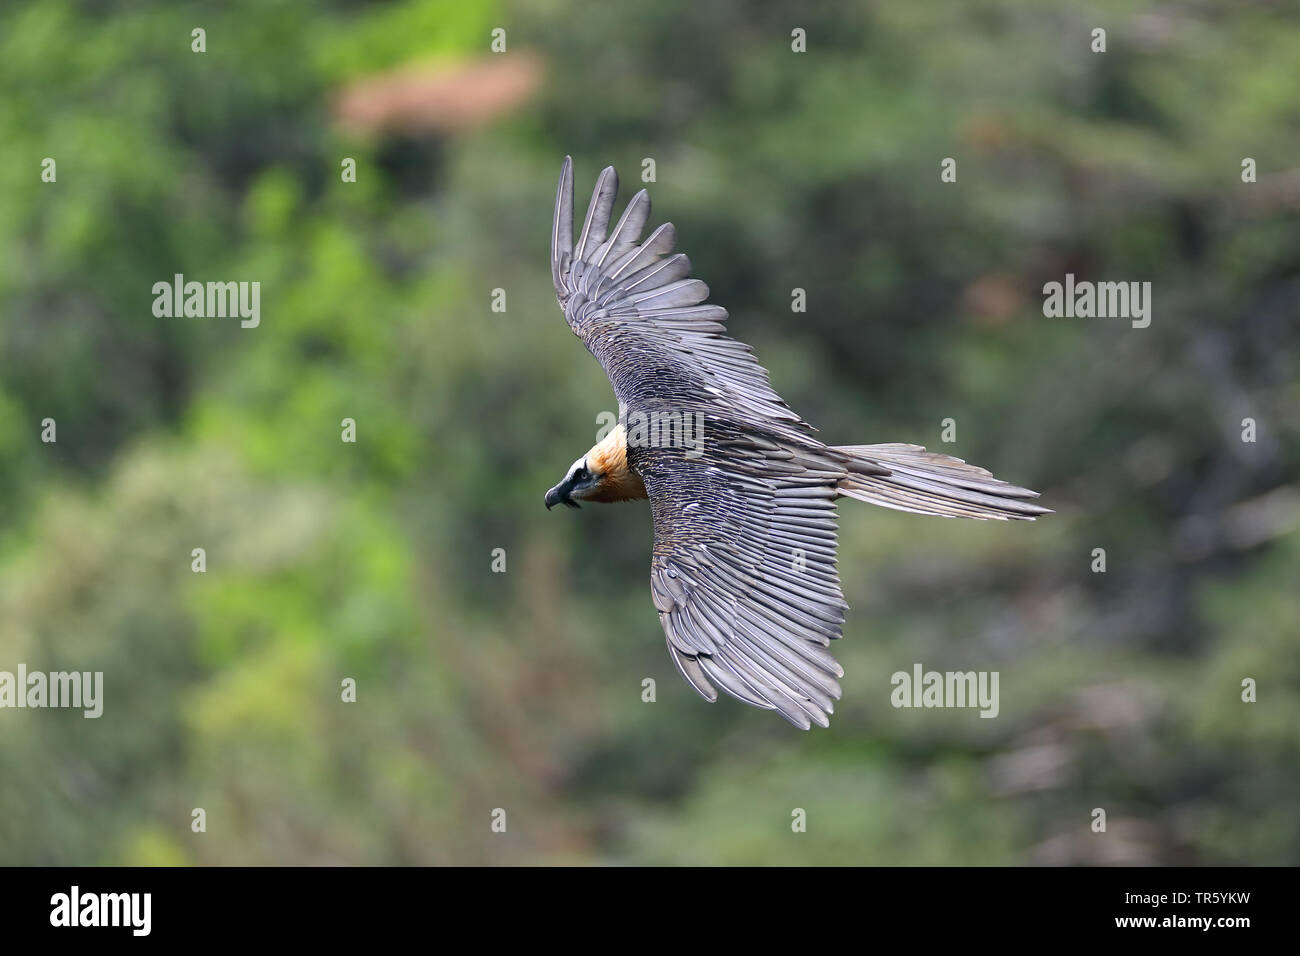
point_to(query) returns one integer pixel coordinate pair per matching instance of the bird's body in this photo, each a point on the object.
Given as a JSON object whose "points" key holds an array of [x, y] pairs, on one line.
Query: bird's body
{"points": [[742, 493]]}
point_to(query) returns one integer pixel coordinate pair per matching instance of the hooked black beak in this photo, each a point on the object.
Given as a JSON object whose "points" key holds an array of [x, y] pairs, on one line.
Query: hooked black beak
{"points": [[559, 495]]}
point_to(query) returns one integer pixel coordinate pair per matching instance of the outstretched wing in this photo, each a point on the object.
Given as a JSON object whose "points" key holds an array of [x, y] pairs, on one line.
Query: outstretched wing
{"points": [[645, 320], [743, 571]]}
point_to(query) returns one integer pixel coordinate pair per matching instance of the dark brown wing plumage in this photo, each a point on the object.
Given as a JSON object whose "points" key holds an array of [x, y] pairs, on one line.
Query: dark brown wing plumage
{"points": [[638, 312], [743, 570]]}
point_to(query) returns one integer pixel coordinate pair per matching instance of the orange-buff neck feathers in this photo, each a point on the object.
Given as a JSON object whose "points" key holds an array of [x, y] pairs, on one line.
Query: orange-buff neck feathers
{"points": [[608, 458]]}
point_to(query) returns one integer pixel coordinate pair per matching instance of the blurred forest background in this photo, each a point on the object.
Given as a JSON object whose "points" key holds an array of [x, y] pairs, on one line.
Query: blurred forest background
{"points": [[522, 690]]}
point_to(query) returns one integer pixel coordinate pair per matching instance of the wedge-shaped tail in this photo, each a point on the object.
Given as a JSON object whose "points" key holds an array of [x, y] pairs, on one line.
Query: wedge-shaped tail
{"points": [[909, 478]]}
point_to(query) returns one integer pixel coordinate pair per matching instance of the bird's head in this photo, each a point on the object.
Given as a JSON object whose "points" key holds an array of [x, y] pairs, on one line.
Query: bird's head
{"points": [[578, 483], [600, 475]]}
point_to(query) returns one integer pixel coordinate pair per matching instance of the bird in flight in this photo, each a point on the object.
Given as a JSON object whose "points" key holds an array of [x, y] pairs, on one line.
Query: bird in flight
{"points": [[742, 493]]}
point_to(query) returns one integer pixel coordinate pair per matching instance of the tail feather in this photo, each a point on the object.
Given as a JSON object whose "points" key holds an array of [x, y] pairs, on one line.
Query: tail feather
{"points": [[928, 483]]}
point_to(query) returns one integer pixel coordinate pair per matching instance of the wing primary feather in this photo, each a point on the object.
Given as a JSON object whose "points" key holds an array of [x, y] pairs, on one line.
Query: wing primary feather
{"points": [[660, 243], [690, 668], [598, 213], [562, 227], [628, 230]]}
